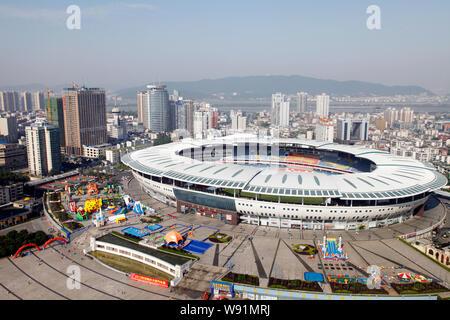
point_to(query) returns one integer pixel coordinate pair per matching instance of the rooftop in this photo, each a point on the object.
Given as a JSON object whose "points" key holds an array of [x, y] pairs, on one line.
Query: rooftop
{"points": [[169, 258], [393, 176]]}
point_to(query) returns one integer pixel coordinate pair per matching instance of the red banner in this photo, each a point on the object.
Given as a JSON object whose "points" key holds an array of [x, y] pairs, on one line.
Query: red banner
{"points": [[149, 280]]}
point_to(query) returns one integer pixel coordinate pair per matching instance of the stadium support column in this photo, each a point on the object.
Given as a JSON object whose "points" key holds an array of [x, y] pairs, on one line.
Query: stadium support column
{"points": [[279, 199], [234, 193], [351, 203]]}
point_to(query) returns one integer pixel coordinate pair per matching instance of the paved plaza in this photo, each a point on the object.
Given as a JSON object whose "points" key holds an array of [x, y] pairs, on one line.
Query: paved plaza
{"points": [[256, 250]]}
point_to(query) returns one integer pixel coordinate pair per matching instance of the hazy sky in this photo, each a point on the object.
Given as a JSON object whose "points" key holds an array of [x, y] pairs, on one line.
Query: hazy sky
{"points": [[131, 42]]}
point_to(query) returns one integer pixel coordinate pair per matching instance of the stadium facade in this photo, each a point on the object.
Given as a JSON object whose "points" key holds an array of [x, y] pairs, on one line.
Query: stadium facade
{"points": [[287, 183]]}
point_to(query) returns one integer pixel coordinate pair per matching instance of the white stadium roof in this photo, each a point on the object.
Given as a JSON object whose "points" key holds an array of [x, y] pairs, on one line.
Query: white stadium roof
{"points": [[394, 177]]}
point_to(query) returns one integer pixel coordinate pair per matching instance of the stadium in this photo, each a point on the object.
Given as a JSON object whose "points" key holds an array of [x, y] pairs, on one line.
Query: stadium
{"points": [[287, 183]]}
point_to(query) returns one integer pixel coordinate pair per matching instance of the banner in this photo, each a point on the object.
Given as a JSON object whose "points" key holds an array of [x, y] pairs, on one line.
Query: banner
{"points": [[149, 280]]}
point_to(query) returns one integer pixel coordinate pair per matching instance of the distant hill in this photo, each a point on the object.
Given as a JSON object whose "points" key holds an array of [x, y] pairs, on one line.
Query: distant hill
{"points": [[35, 87], [263, 86]]}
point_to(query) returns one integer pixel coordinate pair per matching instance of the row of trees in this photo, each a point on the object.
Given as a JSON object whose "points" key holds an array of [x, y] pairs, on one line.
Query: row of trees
{"points": [[8, 177], [13, 240]]}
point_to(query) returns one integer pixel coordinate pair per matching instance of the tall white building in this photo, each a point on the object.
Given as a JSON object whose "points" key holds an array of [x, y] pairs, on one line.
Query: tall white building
{"points": [[238, 121], [280, 110], [406, 115], [117, 127], [391, 115], [323, 105], [200, 124], [38, 100], [302, 98], [43, 148], [325, 130]]}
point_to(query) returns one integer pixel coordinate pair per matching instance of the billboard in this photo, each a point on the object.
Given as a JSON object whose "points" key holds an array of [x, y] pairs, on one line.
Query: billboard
{"points": [[149, 280]]}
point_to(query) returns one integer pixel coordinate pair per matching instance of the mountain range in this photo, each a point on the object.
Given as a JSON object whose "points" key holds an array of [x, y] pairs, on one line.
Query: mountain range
{"points": [[254, 87]]}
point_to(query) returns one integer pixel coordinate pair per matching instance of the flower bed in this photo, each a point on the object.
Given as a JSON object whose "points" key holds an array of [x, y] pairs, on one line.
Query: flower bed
{"points": [[54, 196], [354, 288], [241, 278], [151, 219], [304, 249], [418, 288], [294, 284], [71, 226], [220, 238]]}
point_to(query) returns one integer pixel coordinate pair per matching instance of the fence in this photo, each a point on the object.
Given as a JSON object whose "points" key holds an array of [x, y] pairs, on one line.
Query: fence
{"points": [[415, 235]]}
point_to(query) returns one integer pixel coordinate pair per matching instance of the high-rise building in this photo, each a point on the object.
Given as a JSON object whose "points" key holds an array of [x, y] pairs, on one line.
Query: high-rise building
{"points": [[3, 101], [84, 118], [200, 124], [214, 117], [43, 148], [323, 105], [302, 98], [54, 112], [238, 121], [280, 110], [180, 114], [38, 103], [142, 107], [406, 115], [8, 129], [352, 130], [343, 129], [27, 101], [391, 116], [190, 110], [10, 101], [157, 112], [360, 130], [325, 130], [117, 128]]}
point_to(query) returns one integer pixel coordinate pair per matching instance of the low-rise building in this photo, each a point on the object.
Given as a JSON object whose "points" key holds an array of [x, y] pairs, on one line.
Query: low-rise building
{"points": [[13, 156], [113, 156], [94, 152], [11, 192]]}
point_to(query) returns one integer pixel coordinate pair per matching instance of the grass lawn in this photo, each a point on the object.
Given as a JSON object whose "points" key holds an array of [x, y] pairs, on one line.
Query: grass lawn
{"points": [[124, 236], [128, 265]]}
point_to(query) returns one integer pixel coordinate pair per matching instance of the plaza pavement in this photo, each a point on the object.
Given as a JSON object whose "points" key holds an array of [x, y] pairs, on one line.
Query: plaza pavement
{"points": [[268, 253]]}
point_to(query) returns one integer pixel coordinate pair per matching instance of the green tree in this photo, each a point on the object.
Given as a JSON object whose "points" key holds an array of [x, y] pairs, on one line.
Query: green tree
{"points": [[12, 235]]}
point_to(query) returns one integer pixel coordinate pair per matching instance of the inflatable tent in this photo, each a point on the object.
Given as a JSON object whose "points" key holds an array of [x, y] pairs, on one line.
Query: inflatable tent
{"points": [[173, 238]]}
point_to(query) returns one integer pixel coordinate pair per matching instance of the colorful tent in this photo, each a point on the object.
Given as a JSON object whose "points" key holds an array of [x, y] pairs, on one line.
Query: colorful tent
{"points": [[421, 278], [404, 277], [173, 238]]}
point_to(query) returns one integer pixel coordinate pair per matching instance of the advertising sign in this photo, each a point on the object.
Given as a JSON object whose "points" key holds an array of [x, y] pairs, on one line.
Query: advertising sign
{"points": [[149, 280]]}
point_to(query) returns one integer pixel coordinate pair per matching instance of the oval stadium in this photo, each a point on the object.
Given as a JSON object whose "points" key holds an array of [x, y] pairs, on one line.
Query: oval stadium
{"points": [[287, 183]]}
